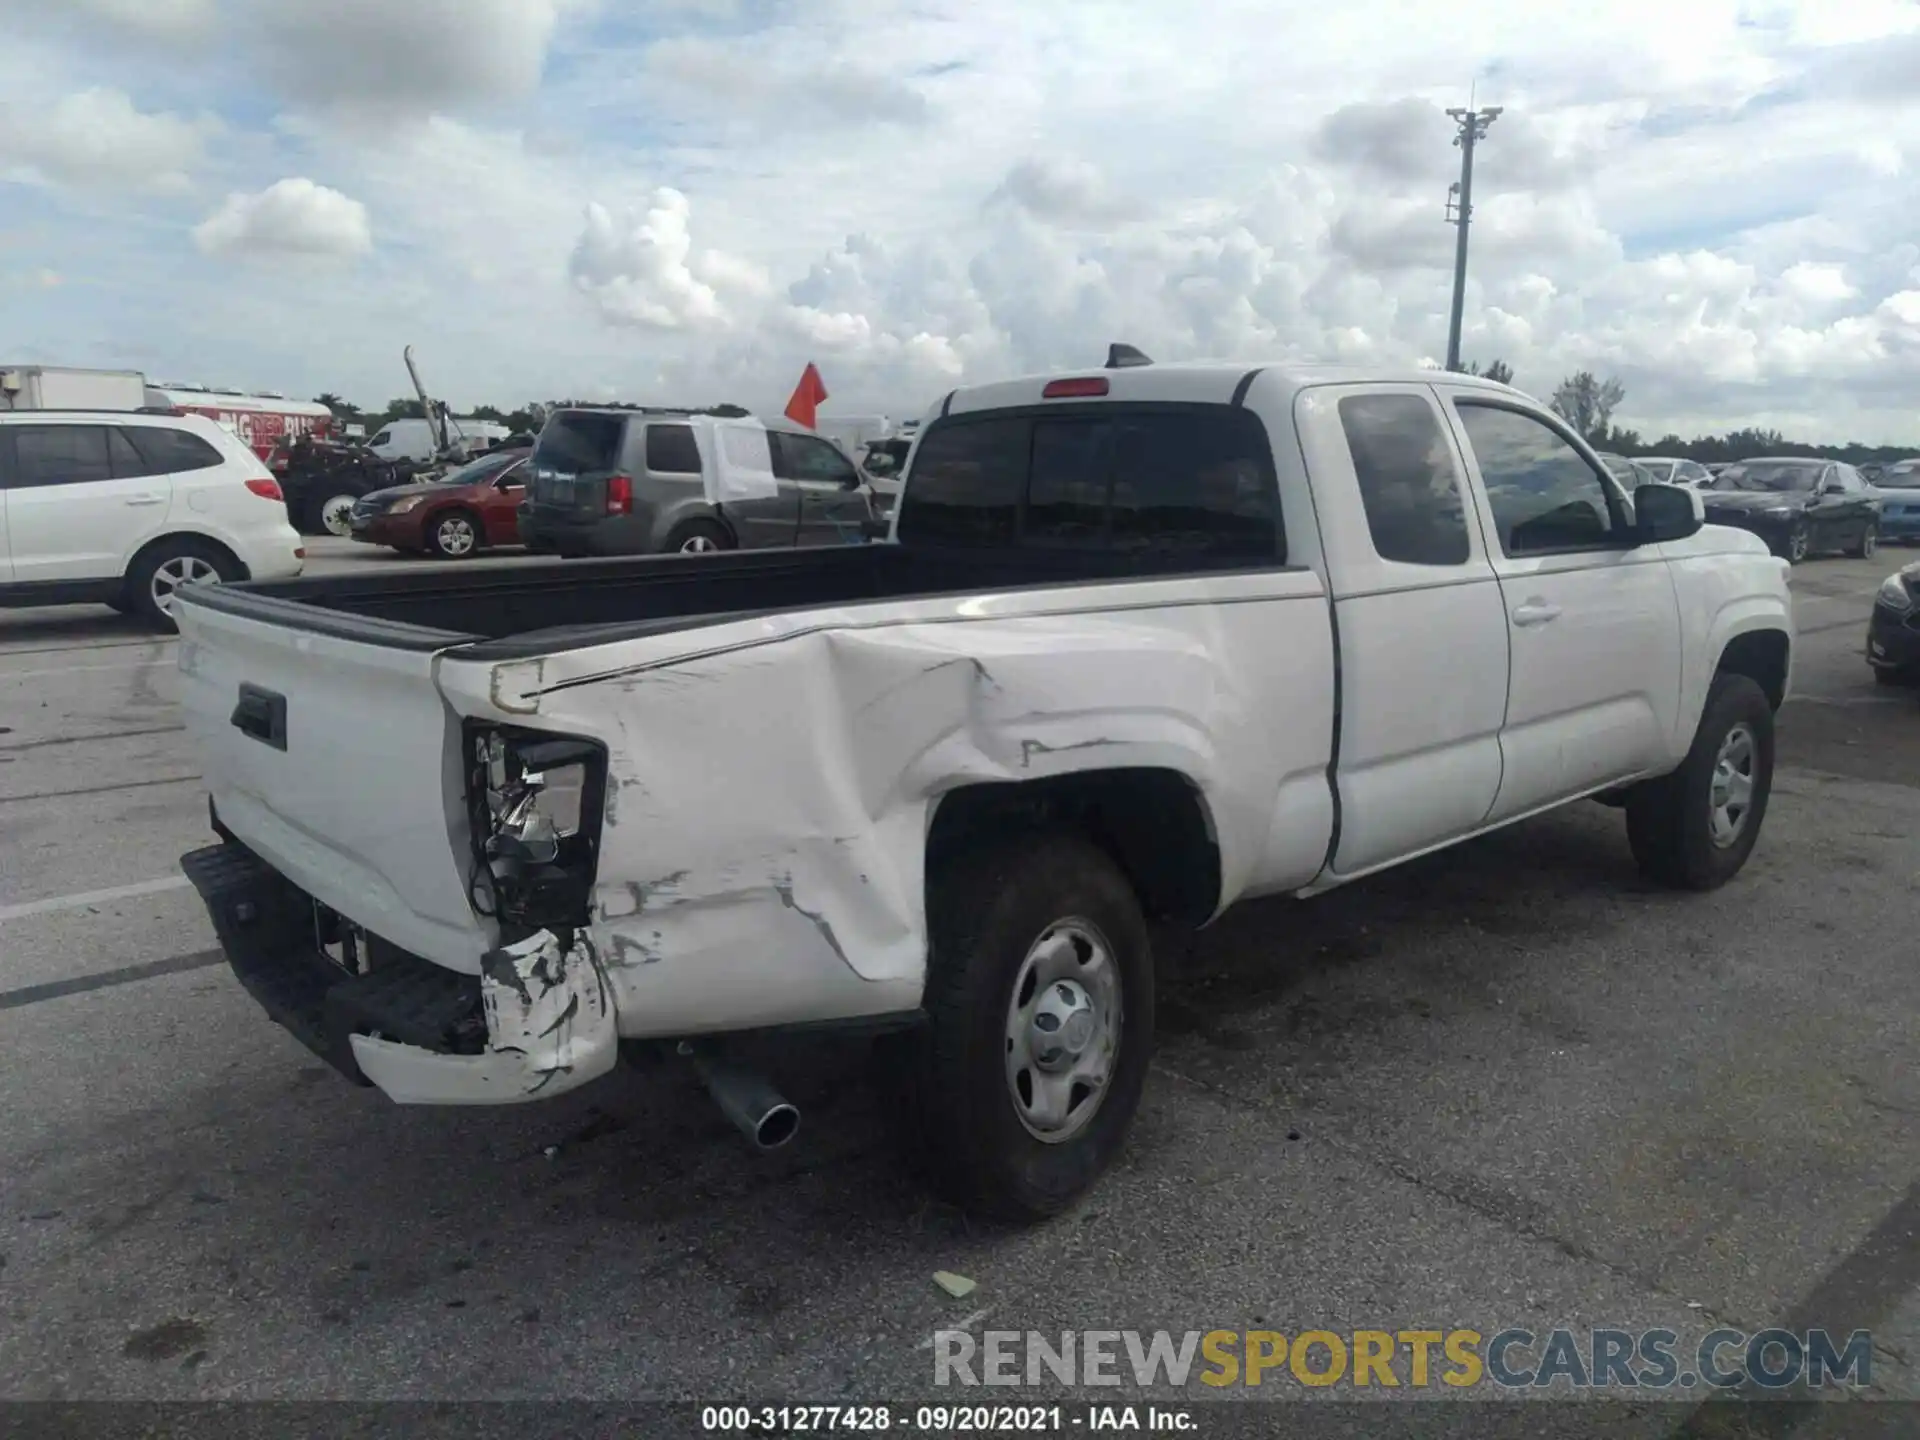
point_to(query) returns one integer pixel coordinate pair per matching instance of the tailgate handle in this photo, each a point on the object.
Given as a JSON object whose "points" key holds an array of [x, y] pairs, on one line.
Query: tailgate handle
{"points": [[263, 715]]}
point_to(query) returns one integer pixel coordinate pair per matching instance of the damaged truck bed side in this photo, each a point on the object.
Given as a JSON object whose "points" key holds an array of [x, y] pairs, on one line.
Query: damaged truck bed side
{"points": [[1143, 643]]}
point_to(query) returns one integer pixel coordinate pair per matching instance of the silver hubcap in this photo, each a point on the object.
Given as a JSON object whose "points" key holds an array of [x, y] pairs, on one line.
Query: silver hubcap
{"points": [[1063, 1031], [180, 570], [337, 515], [1732, 793], [1869, 542], [697, 545], [1797, 545], [456, 535]]}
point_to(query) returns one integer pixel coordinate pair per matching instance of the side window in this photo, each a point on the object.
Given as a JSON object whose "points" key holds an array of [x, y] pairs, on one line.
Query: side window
{"points": [[1544, 496], [1072, 474], [1196, 483], [801, 457], [128, 463], [385, 437], [1408, 482], [966, 483], [671, 450], [168, 452], [60, 455]]}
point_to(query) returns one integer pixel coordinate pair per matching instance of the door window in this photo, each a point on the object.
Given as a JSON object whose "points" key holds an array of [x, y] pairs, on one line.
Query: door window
{"points": [[801, 457], [1408, 481], [60, 455], [1544, 494]]}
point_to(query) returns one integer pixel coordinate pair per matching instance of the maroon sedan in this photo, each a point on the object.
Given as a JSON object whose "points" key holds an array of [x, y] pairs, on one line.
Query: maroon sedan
{"points": [[453, 517]]}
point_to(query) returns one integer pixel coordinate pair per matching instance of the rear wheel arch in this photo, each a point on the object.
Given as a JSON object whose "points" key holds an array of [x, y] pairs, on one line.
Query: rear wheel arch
{"points": [[176, 538], [1153, 822]]}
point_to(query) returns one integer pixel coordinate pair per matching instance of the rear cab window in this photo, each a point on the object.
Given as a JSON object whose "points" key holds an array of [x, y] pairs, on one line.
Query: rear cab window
{"points": [[1168, 487], [1409, 484]]}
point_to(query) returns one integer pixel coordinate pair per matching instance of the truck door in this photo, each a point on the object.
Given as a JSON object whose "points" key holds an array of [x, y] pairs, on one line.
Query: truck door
{"points": [[1421, 628], [1592, 619]]}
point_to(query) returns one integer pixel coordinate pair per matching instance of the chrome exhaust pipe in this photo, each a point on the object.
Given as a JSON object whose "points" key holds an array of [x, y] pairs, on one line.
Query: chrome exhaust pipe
{"points": [[760, 1112]]}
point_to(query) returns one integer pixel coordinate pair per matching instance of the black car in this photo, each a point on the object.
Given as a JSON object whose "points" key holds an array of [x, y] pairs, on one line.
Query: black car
{"points": [[1893, 633], [1798, 506]]}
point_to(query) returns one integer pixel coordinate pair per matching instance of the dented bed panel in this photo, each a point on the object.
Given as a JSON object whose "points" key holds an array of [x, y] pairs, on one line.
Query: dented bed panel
{"points": [[771, 784]]}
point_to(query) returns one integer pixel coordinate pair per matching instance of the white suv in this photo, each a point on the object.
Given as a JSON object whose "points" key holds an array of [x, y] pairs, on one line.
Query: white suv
{"points": [[121, 508]]}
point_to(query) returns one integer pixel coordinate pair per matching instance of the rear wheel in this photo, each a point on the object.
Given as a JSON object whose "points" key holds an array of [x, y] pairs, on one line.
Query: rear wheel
{"points": [[1694, 829], [698, 537], [160, 570], [454, 534], [1039, 1001], [331, 514]]}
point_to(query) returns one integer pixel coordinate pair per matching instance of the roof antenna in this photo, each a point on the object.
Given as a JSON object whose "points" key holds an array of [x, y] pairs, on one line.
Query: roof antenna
{"points": [[1125, 357]]}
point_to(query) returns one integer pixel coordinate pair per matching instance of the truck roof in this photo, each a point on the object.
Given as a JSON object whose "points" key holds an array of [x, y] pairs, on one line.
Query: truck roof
{"points": [[1202, 382]]}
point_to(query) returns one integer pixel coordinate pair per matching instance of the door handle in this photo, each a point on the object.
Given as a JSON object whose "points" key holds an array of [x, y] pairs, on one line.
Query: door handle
{"points": [[1535, 612], [146, 500]]}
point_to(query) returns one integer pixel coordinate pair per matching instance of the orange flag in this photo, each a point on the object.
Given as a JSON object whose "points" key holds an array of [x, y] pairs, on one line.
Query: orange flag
{"points": [[803, 408]]}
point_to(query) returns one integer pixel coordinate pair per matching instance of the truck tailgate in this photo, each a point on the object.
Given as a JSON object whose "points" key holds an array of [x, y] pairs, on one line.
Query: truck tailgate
{"points": [[338, 762]]}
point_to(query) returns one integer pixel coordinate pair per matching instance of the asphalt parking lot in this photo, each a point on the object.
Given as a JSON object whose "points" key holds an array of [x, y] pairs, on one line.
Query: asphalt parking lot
{"points": [[1510, 1085]]}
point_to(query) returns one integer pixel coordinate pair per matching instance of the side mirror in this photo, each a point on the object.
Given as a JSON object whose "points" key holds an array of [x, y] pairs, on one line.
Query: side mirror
{"points": [[1666, 512]]}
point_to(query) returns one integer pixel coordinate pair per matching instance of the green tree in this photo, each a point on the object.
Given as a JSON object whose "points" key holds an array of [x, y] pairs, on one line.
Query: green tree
{"points": [[1587, 403], [1497, 371]]}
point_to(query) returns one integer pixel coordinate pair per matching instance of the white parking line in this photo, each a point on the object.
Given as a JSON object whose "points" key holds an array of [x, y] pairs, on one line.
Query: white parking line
{"points": [[90, 897], [78, 669]]}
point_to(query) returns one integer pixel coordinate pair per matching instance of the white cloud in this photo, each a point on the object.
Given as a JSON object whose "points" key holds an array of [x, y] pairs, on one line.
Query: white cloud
{"points": [[386, 57], [290, 218], [639, 268], [97, 138], [1072, 192]]}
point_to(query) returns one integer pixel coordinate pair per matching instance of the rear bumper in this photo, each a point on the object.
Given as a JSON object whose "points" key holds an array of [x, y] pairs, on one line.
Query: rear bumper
{"points": [[537, 1021], [602, 535]]}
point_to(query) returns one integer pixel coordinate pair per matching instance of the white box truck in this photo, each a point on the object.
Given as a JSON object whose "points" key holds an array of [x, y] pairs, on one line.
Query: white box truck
{"points": [[56, 387]]}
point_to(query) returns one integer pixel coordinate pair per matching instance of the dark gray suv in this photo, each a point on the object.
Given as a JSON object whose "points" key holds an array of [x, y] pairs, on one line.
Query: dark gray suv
{"points": [[627, 482]]}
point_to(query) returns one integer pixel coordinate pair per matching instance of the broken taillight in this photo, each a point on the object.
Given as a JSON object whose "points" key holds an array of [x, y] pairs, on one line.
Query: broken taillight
{"points": [[534, 803]]}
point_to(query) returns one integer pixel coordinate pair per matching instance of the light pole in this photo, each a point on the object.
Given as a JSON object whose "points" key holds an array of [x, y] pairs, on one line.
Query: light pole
{"points": [[1472, 127]]}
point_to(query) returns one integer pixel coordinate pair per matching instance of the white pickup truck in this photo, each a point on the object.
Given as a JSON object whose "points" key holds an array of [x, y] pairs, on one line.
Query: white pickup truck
{"points": [[1143, 642]]}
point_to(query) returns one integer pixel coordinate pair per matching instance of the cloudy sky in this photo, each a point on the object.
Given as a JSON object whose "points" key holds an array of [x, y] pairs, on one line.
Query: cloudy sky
{"points": [[685, 200]]}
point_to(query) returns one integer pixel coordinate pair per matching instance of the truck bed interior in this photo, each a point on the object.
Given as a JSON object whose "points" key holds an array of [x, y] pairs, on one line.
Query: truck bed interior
{"points": [[510, 612]]}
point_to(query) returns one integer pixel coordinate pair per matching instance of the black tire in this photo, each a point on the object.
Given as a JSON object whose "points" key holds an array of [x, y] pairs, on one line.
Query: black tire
{"points": [[1869, 542], [987, 912], [1798, 544], [178, 555], [697, 536], [1670, 821], [444, 546]]}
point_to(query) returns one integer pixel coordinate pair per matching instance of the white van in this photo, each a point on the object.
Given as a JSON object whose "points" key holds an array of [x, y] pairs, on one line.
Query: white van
{"points": [[413, 439]]}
